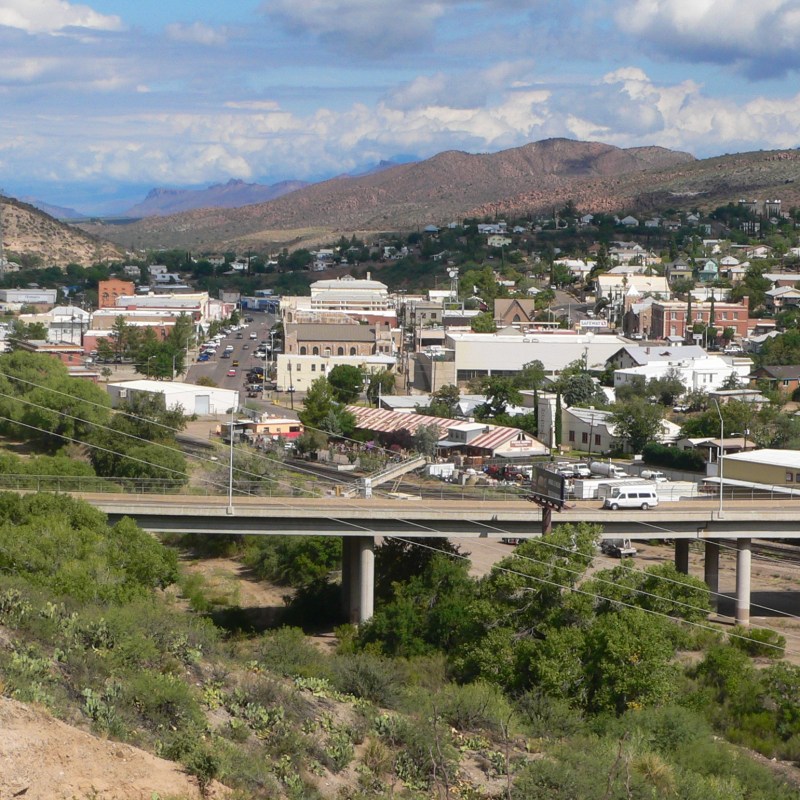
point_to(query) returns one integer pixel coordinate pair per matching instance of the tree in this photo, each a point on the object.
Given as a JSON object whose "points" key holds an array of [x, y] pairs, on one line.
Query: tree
{"points": [[581, 390], [425, 439], [667, 388], [381, 383], [443, 403], [531, 376], [483, 323], [321, 410], [636, 422], [346, 382], [501, 392]]}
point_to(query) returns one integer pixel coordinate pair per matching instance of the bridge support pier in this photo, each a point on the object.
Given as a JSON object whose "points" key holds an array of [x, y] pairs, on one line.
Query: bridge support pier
{"points": [[682, 556], [743, 559], [358, 578], [711, 571]]}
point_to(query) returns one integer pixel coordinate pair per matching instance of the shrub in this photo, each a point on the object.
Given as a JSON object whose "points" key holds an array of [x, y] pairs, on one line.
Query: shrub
{"points": [[475, 707], [661, 455], [367, 676], [288, 652], [758, 641]]}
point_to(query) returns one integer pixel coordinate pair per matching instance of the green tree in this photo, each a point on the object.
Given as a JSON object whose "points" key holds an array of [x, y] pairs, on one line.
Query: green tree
{"points": [[443, 402], [321, 410], [381, 384], [531, 376], [483, 323], [346, 382], [425, 439], [501, 392], [636, 423]]}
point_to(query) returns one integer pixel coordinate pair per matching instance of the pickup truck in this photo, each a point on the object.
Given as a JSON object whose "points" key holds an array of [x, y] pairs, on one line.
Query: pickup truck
{"points": [[619, 548]]}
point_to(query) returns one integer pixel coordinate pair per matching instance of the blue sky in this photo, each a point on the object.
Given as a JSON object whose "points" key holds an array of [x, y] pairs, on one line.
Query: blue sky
{"points": [[101, 101]]}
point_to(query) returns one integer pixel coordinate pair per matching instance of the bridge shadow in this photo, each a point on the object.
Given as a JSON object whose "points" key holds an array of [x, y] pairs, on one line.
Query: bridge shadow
{"points": [[770, 605]]}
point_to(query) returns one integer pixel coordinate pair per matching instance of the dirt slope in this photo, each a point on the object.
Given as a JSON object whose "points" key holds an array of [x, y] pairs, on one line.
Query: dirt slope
{"points": [[44, 759]]}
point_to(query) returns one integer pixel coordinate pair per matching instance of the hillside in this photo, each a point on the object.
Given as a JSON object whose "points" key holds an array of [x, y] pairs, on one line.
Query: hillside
{"points": [[449, 185], [29, 232], [44, 758]]}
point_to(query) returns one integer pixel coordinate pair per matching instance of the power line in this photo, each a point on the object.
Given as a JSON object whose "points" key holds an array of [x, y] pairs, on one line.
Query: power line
{"points": [[256, 475]]}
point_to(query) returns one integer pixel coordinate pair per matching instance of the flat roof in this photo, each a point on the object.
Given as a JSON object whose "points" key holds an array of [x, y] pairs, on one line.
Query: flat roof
{"points": [[770, 456]]}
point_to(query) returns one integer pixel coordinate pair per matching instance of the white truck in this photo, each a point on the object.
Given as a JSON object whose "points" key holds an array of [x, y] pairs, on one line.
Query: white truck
{"points": [[654, 475], [607, 469]]}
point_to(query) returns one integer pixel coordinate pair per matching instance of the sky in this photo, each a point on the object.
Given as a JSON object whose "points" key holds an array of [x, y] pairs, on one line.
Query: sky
{"points": [[100, 102]]}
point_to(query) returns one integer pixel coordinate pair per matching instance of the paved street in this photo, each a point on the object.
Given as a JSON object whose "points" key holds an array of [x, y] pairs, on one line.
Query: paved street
{"points": [[244, 350]]}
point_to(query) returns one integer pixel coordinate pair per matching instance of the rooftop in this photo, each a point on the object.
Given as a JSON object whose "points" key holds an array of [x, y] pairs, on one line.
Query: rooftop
{"points": [[770, 456]]}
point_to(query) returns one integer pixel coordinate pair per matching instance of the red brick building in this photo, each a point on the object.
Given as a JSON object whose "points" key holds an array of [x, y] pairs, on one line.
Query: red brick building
{"points": [[669, 318], [108, 291]]}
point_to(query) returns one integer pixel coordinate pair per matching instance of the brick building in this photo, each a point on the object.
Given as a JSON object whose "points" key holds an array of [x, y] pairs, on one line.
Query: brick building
{"points": [[669, 318], [108, 291]]}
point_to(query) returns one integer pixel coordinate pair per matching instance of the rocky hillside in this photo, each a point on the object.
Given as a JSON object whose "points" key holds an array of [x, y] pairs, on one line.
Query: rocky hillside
{"points": [[525, 180], [28, 232], [448, 186]]}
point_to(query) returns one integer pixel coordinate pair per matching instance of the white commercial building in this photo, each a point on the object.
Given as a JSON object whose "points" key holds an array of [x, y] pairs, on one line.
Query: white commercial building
{"points": [[190, 398], [34, 297], [202, 308], [350, 294], [297, 373], [705, 374], [508, 351]]}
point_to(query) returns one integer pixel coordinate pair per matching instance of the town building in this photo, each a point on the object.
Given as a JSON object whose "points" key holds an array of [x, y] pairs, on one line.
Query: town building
{"points": [[349, 339], [784, 377], [109, 290], [187, 397], [710, 372], [670, 318], [457, 437], [296, 373], [29, 297]]}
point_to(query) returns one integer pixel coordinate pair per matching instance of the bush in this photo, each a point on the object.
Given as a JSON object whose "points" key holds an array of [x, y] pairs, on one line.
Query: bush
{"points": [[288, 652], [475, 707], [367, 676], [661, 455], [758, 641]]}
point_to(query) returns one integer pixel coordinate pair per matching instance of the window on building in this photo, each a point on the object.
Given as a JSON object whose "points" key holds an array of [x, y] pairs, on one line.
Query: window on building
{"points": [[340, 351], [789, 477], [352, 351], [298, 368], [313, 367], [597, 439], [315, 351], [323, 367], [584, 438], [302, 351], [572, 436]]}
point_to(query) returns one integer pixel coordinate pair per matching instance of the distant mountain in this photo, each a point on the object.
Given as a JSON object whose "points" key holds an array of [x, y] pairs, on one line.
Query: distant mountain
{"points": [[233, 194], [58, 212], [448, 186], [395, 161], [27, 231]]}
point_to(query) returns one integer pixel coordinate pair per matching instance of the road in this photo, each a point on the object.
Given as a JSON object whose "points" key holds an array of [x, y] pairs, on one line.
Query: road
{"points": [[244, 350]]}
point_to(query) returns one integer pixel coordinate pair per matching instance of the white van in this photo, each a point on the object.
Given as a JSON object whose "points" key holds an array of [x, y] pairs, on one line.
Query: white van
{"points": [[632, 496]]}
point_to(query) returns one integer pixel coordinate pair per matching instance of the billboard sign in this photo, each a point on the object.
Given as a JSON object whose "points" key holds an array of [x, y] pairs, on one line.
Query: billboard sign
{"points": [[548, 484]]}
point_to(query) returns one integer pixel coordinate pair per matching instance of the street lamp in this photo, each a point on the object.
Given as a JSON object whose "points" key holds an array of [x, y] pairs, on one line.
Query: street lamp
{"points": [[721, 457], [230, 464]]}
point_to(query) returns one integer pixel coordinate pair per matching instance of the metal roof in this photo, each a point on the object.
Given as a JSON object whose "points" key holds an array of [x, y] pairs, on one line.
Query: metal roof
{"points": [[383, 421]]}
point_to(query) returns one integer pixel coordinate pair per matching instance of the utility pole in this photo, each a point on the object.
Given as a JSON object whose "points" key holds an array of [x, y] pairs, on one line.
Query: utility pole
{"points": [[2, 259]]}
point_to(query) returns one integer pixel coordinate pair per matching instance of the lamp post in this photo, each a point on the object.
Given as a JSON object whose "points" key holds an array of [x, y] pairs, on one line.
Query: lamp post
{"points": [[721, 457], [230, 464]]}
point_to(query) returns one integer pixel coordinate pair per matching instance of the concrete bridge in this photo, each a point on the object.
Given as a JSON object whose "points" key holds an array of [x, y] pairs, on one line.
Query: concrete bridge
{"points": [[359, 521]]}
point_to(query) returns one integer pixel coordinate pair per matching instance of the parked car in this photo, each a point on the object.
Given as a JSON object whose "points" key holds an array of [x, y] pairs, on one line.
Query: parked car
{"points": [[619, 548], [235, 362], [231, 373]]}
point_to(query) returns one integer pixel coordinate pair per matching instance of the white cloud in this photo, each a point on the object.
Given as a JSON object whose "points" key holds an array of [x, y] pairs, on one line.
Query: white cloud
{"points": [[52, 16], [763, 37], [196, 33]]}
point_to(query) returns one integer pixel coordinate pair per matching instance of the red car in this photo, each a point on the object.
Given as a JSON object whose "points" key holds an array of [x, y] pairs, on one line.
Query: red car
{"points": [[231, 373]]}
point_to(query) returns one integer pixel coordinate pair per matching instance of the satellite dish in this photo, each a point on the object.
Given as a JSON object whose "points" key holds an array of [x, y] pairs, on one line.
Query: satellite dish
{"points": [[452, 273]]}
